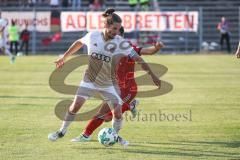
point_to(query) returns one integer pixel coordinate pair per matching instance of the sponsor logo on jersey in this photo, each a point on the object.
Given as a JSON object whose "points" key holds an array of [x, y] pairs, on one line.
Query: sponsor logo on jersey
{"points": [[101, 57]]}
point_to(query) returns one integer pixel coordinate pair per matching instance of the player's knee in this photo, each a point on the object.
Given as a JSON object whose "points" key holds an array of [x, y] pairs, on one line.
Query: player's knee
{"points": [[117, 115], [73, 109], [107, 119]]}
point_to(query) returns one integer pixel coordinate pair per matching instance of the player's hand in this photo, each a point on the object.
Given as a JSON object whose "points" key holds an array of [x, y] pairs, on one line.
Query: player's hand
{"points": [[156, 81], [238, 54], [59, 62], [159, 45]]}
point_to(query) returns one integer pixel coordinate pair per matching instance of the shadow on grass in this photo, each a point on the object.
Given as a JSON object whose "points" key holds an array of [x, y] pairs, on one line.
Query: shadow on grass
{"points": [[166, 149], [186, 153], [181, 151], [232, 144], [30, 97]]}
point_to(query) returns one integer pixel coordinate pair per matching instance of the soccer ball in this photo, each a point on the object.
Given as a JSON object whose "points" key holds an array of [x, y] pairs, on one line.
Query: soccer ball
{"points": [[107, 137]]}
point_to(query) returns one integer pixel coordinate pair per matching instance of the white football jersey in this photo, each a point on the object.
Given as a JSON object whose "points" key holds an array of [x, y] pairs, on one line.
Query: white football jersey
{"points": [[103, 57]]}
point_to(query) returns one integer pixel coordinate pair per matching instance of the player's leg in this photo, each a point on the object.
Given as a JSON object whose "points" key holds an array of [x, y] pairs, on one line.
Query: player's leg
{"points": [[22, 44], [83, 93], [130, 104], [128, 95], [73, 109], [6, 51], [11, 46], [103, 115], [117, 117], [93, 124], [221, 41], [228, 43], [68, 119], [108, 117], [125, 107], [117, 122], [26, 48], [97, 120], [115, 102], [16, 47], [11, 56]]}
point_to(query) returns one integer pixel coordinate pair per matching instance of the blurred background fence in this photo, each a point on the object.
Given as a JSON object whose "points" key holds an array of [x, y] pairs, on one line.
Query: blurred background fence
{"points": [[207, 37]]}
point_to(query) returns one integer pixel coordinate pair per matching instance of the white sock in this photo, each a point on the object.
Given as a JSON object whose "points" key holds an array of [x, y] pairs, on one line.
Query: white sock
{"points": [[69, 117], [117, 124]]}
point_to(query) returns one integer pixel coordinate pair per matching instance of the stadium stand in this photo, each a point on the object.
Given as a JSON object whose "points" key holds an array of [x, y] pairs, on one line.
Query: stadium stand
{"points": [[212, 11]]}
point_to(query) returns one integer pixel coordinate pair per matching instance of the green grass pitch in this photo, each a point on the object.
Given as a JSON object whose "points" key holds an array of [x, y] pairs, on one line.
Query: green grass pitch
{"points": [[206, 92]]}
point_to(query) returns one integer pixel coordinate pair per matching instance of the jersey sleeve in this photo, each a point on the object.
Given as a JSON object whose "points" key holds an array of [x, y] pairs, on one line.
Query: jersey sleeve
{"points": [[85, 39], [137, 49], [132, 53], [127, 49]]}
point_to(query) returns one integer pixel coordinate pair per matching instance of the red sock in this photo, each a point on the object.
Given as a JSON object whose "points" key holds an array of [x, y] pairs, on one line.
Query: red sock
{"points": [[93, 124], [125, 107], [108, 116]]}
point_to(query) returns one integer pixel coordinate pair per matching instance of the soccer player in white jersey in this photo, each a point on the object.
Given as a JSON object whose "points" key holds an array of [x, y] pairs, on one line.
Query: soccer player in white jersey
{"points": [[104, 48], [128, 88], [4, 39]]}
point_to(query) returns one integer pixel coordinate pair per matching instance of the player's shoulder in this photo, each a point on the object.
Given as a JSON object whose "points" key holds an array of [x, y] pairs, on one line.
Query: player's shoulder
{"points": [[119, 38], [122, 40], [95, 33]]}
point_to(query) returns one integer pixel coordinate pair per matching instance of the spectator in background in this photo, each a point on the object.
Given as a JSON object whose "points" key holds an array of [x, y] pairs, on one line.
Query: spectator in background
{"points": [[25, 36], [133, 4], [24, 3], [96, 5], [238, 51], [223, 27], [31, 3], [76, 4], [54, 3], [27, 3], [65, 3], [13, 31], [144, 5]]}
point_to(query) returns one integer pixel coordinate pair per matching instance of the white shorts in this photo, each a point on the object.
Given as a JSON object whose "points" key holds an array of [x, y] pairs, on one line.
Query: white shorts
{"points": [[109, 94]]}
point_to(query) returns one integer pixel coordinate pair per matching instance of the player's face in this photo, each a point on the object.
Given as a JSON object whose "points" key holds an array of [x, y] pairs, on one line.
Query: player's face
{"points": [[119, 33], [113, 30]]}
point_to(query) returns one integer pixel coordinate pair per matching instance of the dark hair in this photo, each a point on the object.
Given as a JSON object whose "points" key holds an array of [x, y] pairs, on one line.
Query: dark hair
{"points": [[121, 30], [13, 22], [111, 17]]}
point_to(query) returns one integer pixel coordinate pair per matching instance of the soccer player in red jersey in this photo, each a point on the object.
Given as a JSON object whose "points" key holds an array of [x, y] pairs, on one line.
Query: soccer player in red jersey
{"points": [[128, 89]]}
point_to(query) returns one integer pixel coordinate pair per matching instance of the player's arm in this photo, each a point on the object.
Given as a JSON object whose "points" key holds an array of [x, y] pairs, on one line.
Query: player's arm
{"points": [[71, 50], [153, 49], [146, 67], [238, 51]]}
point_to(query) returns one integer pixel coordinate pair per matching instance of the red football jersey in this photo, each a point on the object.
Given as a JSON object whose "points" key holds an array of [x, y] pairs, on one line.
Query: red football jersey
{"points": [[125, 73]]}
